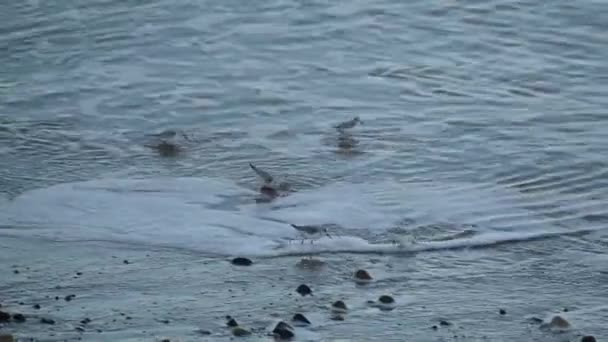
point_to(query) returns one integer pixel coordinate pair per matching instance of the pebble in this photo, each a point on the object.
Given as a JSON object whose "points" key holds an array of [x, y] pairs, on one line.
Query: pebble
{"points": [[384, 299], [69, 297], [240, 261], [18, 318], [362, 277], [232, 322], [36, 306], [445, 323], [339, 306], [126, 262], [47, 321], [502, 311], [4, 316], [283, 330], [337, 317], [588, 338], [300, 319], [304, 290]]}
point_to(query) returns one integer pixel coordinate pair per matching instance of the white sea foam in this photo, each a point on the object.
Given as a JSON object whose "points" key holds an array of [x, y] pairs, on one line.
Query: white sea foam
{"points": [[218, 217]]}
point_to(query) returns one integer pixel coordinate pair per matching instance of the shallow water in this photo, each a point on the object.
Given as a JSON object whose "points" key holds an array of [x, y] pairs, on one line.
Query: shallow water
{"points": [[477, 180]]}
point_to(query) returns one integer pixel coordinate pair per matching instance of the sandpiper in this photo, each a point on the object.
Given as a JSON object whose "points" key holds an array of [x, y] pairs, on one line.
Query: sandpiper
{"points": [[313, 232], [263, 174], [349, 124]]}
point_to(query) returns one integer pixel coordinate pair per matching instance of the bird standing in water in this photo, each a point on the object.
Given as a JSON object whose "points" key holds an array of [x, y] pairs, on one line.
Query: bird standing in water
{"points": [[312, 232], [348, 124]]}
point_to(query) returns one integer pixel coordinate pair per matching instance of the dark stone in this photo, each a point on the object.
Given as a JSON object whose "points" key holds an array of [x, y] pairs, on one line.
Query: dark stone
{"points": [[167, 149], [126, 262], [502, 311], [204, 332], [434, 327], [16, 271], [128, 318], [36, 306], [300, 318], [304, 290], [588, 338], [444, 323], [4, 316], [56, 297], [240, 261], [240, 332], [337, 317], [85, 321], [566, 310], [339, 305], [165, 340], [18, 318], [69, 297], [78, 273], [47, 321], [232, 323], [283, 330], [384, 299], [362, 275]]}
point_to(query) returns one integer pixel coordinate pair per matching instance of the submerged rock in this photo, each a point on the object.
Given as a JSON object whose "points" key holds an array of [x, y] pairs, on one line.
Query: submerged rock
{"points": [[502, 311], [4, 316], [304, 290], [240, 261], [283, 330], [362, 277], [588, 338], [300, 319], [240, 332]]}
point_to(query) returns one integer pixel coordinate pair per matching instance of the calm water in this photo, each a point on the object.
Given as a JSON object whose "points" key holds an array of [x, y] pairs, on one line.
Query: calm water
{"points": [[487, 118]]}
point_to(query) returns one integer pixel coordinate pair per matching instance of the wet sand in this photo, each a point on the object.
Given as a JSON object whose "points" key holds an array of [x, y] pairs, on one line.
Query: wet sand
{"points": [[145, 293]]}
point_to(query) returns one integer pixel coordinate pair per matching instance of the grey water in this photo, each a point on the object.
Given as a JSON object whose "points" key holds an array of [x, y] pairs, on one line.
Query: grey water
{"points": [[490, 115]]}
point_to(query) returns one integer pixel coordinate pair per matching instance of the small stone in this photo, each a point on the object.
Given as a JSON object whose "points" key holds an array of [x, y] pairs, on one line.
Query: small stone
{"points": [[434, 327], [165, 340], [18, 318], [588, 338], [559, 322], [283, 330], [502, 311], [566, 310], [340, 305], [126, 262], [300, 319], [85, 321], [16, 271], [128, 318], [47, 321], [304, 290], [36, 306], [362, 276], [6, 338], [384, 299], [240, 261], [79, 329], [445, 323], [69, 297], [240, 332], [204, 332], [78, 273], [232, 323], [4, 316]]}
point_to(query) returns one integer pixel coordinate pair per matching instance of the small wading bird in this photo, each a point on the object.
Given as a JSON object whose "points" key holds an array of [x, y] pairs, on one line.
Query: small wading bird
{"points": [[348, 124], [312, 232]]}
